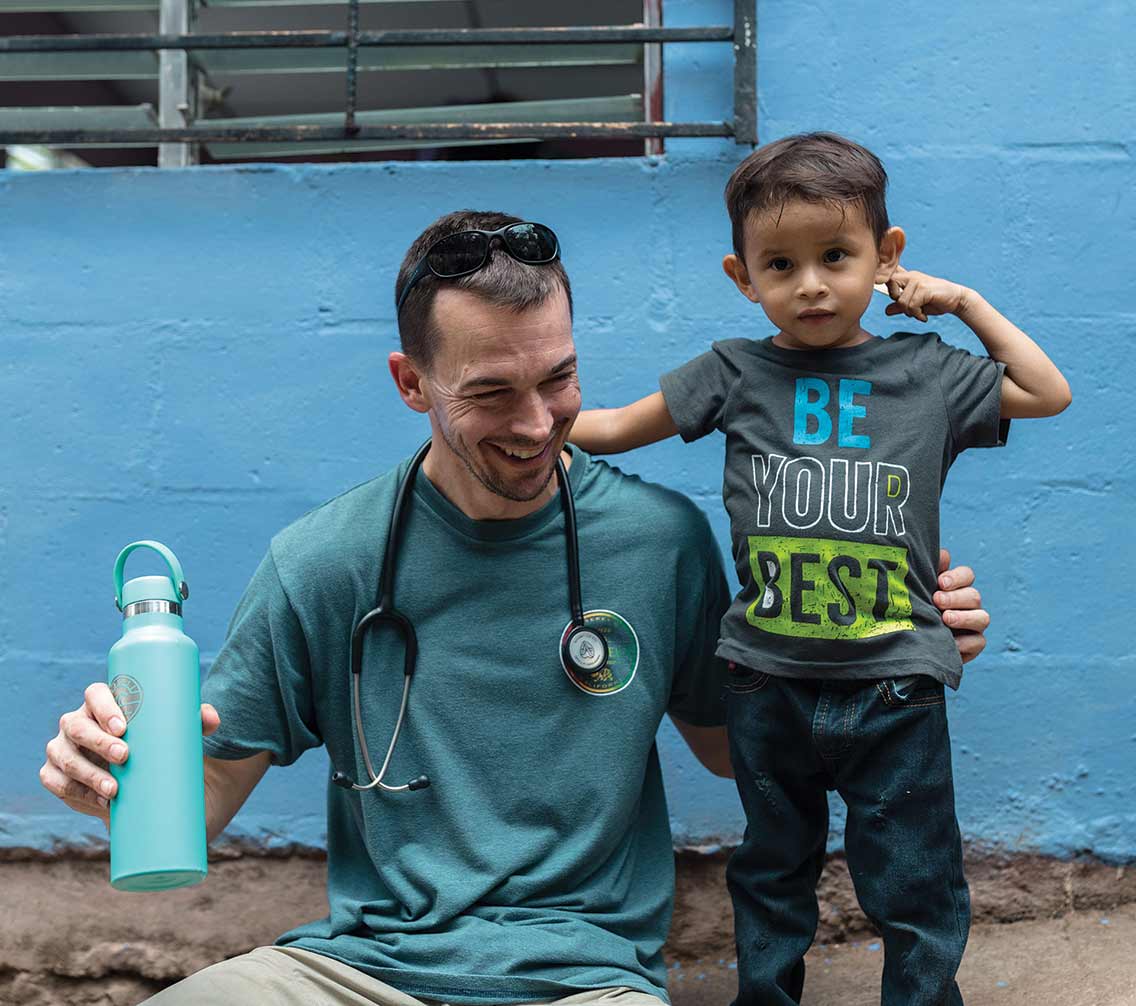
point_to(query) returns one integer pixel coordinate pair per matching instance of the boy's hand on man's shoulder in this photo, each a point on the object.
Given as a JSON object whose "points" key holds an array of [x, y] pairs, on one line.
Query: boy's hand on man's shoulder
{"points": [[919, 295]]}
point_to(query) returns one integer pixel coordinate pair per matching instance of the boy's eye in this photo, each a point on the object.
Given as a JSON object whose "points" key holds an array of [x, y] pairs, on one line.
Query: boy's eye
{"points": [[835, 255], [780, 264]]}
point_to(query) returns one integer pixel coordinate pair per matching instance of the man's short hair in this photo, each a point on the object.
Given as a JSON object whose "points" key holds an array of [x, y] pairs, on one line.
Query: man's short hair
{"points": [[503, 281], [813, 167]]}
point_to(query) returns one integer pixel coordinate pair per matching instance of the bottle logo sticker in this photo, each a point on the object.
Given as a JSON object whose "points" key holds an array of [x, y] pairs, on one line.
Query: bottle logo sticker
{"points": [[128, 694]]}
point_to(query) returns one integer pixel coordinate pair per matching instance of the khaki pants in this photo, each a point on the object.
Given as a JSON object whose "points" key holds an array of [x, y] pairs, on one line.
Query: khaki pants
{"points": [[289, 976]]}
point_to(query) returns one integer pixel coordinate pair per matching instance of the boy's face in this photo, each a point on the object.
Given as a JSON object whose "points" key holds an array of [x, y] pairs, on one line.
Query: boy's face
{"points": [[811, 267]]}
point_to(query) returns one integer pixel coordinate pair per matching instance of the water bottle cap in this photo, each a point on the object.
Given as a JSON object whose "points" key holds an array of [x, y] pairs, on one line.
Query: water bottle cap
{"points": [[178, 586], [149, 588]]}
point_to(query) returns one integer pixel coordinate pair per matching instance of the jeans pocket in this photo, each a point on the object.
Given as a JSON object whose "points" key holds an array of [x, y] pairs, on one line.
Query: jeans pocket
{"points": [[743, 680], [911, 690]]}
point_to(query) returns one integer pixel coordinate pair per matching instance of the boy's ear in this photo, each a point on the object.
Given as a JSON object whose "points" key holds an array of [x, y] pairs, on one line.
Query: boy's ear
{"points": [[410, 381], [891, 248], [735, 268]]}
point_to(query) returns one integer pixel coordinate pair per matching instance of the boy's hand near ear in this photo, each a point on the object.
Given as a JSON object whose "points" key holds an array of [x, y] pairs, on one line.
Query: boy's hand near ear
{"points": [[918, 295]]}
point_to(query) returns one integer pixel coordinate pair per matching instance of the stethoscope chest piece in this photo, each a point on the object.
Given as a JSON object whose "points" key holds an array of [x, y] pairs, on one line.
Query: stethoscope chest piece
{"points": [[584, 650], [600, 656]]}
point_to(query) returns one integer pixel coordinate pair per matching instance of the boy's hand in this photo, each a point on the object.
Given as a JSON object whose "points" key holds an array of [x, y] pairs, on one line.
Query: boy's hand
{"points": [[918, 295]]}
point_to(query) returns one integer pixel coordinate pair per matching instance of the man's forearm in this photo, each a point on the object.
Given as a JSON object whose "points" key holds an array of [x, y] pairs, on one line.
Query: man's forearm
{"points": [[227, 786]]}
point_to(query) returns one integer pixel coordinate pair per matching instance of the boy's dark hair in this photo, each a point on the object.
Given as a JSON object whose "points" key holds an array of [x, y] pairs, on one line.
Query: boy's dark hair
{"points": [[814, 167], [503, 281]]}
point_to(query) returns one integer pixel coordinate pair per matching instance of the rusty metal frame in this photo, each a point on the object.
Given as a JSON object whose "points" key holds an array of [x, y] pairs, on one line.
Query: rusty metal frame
{"points": [[653, 76], [203, 133], [742, 35], [306, 38], [745, 71]]}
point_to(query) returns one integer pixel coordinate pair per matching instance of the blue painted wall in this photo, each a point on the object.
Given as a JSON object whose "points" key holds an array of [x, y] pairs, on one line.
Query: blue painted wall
{"points": [[199, 356]]}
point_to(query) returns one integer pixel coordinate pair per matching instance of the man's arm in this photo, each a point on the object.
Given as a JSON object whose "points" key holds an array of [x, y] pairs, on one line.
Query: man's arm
{"points": [[90, 737], [227, 786], [961, 605], [709, 745]]}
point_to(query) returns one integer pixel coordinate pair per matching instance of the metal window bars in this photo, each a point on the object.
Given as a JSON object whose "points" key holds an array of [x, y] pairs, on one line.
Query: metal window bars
{"points": [[178, 131]]}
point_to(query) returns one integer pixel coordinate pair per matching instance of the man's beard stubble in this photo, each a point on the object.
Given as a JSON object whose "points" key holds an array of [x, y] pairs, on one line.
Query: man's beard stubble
{"points": [[495, 487]]}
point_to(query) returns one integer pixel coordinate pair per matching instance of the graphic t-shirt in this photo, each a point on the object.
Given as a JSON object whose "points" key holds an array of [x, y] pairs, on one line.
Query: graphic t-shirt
{"points": [[539, 862], [835, 460]]}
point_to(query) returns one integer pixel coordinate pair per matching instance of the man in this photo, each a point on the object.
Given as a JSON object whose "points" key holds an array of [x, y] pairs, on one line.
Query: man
{"points": [[537, 865]]}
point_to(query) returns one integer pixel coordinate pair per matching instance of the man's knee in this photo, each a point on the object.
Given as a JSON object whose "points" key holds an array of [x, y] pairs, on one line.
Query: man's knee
{"points": [[262, 975]]}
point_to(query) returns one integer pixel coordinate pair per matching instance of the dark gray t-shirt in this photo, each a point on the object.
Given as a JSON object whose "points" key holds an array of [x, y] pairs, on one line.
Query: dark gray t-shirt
{"points": [[835, 461]]}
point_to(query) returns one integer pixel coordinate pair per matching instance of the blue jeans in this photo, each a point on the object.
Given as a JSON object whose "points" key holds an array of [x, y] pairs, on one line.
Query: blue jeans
{"points": [[883, 745]]}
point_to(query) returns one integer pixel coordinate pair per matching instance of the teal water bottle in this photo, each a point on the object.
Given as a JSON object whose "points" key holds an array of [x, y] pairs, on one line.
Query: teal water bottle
{"points": [[157, 816]]}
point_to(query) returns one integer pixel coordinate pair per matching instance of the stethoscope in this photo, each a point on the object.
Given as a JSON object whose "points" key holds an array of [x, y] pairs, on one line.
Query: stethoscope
{"points": [[582, 650]]}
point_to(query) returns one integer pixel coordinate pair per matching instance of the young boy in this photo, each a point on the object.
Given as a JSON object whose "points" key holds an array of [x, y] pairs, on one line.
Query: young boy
{"points": [[837, 446]]}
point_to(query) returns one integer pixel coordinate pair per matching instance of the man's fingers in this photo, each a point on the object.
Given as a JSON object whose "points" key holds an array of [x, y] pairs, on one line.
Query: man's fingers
{"points": [[103, 709], [975, 620], [83, 732], [71, 764], [73, 793], [959, 576], [970, 645], [966, 598], [210, 719]]}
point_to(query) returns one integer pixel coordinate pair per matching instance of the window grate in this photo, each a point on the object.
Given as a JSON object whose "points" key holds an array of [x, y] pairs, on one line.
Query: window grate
{"points": [[178, 131]]}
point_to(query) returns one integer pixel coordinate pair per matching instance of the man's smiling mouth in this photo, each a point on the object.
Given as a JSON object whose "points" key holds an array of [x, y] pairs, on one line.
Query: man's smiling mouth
{"points": [[522, 453]]}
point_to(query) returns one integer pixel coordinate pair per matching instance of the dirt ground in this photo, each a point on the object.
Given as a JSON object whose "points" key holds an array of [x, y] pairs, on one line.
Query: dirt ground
{"points": [[1046, 931], [1080, 959]]}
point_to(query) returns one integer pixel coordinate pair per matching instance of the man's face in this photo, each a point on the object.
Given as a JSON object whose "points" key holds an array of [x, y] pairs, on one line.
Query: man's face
{"points": [[503, 389], [812, 266]]}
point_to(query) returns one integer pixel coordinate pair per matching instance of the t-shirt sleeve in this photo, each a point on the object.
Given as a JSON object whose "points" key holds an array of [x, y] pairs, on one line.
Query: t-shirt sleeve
{"points": [[972, 393], [700, 676], [696, 394], [260, 682]]}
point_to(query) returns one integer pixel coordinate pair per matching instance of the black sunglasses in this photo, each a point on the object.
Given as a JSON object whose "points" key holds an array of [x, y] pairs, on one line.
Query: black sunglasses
{"points": [[467, 251]]}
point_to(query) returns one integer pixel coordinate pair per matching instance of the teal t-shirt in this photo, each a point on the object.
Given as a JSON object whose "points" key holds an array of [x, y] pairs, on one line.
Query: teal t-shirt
{"points": [[539, 862]]}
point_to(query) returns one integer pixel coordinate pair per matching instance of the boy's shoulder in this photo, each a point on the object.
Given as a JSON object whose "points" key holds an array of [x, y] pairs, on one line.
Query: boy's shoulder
{"points": [[735, 354], [924, 353]]}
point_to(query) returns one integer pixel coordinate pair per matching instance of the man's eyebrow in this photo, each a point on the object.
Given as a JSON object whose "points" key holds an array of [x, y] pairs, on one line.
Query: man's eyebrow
{"points": [[491, 381], [566, 364]]}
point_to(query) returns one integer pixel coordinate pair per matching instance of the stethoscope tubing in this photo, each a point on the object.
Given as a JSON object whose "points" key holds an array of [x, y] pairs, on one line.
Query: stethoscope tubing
{"points": [[385, 611]]}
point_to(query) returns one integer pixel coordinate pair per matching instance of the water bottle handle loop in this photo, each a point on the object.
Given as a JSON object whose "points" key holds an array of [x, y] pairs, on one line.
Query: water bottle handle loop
{"points": [[181, 588]]}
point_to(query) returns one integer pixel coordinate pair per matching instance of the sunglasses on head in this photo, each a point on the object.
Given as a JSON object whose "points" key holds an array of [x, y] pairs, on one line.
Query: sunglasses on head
{"points": [[467, 251]]}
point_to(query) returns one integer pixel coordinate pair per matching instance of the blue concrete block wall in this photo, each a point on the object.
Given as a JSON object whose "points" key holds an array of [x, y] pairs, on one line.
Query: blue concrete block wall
{"points": [[199, 356]]}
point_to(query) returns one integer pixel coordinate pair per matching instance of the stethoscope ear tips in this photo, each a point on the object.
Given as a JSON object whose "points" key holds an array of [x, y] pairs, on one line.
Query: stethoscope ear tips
{"points": [[420, 783], [341, 780]]}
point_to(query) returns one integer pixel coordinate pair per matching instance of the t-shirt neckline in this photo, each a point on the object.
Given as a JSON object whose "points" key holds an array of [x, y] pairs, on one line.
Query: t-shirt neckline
{"points": [[832, 360]]}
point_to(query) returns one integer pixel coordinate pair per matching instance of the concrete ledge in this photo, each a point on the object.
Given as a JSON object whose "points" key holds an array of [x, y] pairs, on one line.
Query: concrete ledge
{"points": [[67, 937]]}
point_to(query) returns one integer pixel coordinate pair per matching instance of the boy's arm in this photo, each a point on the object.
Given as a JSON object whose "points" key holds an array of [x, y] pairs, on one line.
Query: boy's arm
{"points": [[609, 431], [1032, 386]]}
